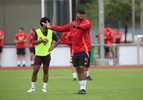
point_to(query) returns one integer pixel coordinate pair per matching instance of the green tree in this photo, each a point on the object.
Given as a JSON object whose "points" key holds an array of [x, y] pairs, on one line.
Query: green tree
{"points": [[121, 10]]}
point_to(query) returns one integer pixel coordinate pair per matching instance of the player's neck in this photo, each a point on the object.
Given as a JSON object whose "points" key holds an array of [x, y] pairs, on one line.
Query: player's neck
{"points": [[43, 29], [20, 33]]}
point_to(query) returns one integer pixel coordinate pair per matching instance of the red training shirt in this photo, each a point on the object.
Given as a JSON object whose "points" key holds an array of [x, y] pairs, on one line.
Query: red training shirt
{"points": [[17, 37], [109, 34], [69, 42], [1, 41], [120, 39], [63, 38], [30, 37], [80, 37]]}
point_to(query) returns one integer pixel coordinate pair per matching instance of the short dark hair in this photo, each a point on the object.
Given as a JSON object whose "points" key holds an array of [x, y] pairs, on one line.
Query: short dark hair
{"points": [[106, 25], [21, 28], [32, 29], [44, 19]]}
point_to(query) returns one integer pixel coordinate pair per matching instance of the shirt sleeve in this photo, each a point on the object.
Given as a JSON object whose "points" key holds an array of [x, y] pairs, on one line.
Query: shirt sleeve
{"points": [[68, 39], [65, 28], [85, 26], [55, 37], [34, 37], [16, 37]]}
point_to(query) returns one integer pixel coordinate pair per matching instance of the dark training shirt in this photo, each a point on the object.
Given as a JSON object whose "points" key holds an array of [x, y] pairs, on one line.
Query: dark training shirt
{"points": [[54, 36]]}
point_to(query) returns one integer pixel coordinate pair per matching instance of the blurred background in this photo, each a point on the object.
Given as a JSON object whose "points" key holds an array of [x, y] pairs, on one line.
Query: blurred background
{"points": [[123, 14]]}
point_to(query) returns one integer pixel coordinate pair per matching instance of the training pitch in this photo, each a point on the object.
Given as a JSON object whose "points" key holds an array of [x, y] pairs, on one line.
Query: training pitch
{"points": [[107, 84]]}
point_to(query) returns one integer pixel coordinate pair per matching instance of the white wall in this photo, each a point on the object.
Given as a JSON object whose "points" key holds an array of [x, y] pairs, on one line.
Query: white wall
{"points": [[60, 56], [128, 55]]}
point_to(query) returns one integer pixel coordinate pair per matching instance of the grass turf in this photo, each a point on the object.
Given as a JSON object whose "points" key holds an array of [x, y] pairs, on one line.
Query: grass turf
{"points": [[107, 84]]}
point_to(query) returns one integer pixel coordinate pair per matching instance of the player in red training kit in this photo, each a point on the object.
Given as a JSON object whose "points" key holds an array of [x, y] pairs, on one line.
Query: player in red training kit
{"points": [[31, 47], [108, 39], [63, 38], [20, 40], [80, 31], [118, 36], [1, 43]]}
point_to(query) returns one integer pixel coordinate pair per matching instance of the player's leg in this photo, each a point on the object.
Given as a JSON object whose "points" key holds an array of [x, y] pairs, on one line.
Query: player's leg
{"points": [[31, 58], [32, 53], [82, 76], [83, 61], [0, 59], [46, 62], [73, 69], [23, 56], [36, 67], [74, 72], [88, 76], [0, 55], [18, 57], [45, 77]]}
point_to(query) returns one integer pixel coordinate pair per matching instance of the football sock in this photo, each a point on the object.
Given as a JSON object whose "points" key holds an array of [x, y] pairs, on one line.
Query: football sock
{"points": [[84, 84], [80, 83], [18, 62], [87, 73], [33, 84], [44, 85], [74, 75], [23, 62], [32, 62]]}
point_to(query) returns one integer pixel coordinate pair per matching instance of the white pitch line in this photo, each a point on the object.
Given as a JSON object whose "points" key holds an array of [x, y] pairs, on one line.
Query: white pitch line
{"points": [[30, 77]]}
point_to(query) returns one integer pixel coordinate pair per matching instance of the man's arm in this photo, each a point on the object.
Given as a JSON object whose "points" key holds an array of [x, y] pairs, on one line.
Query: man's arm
{"points": [[1, 38], [55, 38], [25, 40], [35, 41], [85, 26], [55, 44], [64, 28]]}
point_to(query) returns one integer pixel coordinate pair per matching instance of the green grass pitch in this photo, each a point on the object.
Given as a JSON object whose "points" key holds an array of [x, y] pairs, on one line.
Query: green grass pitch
{"points": [[107, 84]]}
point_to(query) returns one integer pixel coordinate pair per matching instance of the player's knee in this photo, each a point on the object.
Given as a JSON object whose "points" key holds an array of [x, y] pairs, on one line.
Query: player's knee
{"points": [[32, 54], [78, 69], [35, 72], [83, 68]]}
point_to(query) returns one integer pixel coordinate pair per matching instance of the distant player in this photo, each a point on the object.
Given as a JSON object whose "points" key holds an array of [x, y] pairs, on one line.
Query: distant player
{"points": [[80, 30], [1, 43], [63, 38], [118, 37], [69, 42], [20, 40], [42, 41], [108, 39], [31, 46]]}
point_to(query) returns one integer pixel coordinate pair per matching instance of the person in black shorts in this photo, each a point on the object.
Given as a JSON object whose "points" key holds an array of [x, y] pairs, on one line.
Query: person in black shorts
{"points": [[42, 40], [20, 40], [31, 47]]}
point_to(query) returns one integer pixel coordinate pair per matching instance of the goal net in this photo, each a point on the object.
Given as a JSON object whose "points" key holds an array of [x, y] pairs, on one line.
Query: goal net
{"points": [[139, 50]]}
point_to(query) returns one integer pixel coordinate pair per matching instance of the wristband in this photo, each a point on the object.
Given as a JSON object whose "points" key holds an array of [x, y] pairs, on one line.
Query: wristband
{"points": [[78, 27]]}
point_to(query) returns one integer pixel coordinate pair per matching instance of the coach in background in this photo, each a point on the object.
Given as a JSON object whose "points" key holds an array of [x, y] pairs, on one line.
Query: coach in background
{"points": [[20, 40], [31, 47], [1, 43]]}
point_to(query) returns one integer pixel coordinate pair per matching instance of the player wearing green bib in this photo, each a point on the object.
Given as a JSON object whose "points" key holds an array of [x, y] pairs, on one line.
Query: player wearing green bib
{"points": [[42, 40]]}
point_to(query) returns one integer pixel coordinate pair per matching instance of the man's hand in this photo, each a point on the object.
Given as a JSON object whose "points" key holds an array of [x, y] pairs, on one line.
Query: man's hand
{"points": [[74, 25], [47, 25], [45, 40], [50, 49]]}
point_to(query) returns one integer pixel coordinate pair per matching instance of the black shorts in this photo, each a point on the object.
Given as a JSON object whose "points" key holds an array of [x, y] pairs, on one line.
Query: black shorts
{"points": [[82, 59], [42, 59], [32, 50], [71, 60], [107, 49], [21, 51], [0, 49]]}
